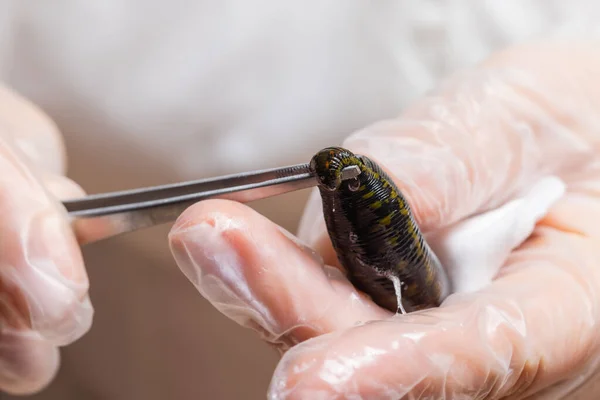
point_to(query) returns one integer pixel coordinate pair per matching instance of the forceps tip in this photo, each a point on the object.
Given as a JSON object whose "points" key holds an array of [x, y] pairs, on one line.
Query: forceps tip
{"points": [[350, 172]]}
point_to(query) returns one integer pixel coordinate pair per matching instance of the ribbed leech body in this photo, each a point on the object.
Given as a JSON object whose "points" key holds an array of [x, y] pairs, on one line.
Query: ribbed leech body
{"points": [[375, 235]]}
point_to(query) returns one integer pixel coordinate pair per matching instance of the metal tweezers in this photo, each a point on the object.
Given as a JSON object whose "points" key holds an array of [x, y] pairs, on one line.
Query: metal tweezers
{"points": [[102, 216]]}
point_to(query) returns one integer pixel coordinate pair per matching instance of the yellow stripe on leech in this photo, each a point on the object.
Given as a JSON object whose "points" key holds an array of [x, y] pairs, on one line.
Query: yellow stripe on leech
{"points": [[375, 205], [368, 195], [386, 220], [401, 204]]}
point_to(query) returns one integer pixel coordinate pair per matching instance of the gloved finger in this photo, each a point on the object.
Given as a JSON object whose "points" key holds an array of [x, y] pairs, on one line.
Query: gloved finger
{"points": [[261, 277], [31, 133], [531, 328]]}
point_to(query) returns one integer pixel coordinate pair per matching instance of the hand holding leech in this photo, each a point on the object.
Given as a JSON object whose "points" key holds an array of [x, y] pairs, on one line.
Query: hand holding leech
{"points": [[482, 140]]}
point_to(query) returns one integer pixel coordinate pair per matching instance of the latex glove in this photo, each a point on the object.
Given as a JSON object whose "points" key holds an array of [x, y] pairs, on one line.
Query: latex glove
{"points": [[512, 129], [43, 283]]}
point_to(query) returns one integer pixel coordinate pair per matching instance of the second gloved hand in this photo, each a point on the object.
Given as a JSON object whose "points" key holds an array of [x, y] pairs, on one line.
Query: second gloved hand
{"points": [[43, 284]]}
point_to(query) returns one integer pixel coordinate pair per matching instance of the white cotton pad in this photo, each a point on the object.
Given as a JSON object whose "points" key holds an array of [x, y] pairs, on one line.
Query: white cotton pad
{"points": [[472, 251]]}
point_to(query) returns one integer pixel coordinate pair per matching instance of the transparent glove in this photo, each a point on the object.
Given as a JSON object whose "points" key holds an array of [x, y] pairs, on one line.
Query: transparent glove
{"points": [[501, 167], [43, 283]]}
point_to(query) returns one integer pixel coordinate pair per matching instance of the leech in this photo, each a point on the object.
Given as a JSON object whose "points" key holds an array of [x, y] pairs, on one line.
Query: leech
{"points": [[374, 233]]}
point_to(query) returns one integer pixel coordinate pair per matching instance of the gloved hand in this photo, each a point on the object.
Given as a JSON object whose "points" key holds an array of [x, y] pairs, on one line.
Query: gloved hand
{"points": [[43, 283], [481, 161]]}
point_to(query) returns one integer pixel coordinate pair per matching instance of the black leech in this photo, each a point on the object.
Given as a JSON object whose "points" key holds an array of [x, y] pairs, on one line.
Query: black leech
{"points": [[375, 235]]}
